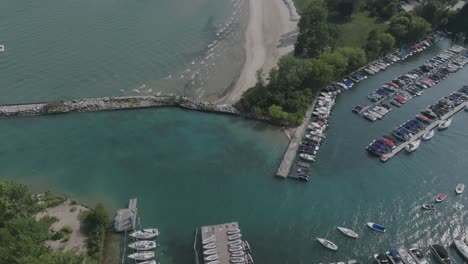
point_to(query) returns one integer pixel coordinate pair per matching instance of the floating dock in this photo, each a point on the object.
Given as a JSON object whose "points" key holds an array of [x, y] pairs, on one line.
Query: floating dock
{"points": [[424, 131], [125, 219], [220, 233]]}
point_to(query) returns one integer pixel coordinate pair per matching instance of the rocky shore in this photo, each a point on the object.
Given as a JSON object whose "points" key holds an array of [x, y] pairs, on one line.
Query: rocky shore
{"points": [[114, 103]]}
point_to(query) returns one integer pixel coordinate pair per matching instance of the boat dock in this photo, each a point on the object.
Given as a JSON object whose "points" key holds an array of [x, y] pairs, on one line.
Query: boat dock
{"points": [[125, 219], [291, 153], [424, 131], [220, 233]]}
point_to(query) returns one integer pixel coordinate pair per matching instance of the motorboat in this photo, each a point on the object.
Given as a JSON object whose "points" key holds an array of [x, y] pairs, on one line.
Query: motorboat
{"points": [[418, 255], [440, 197], [237, 260], [145, 233], [413, 146], [210, 251], [235, 248], [440, 253], [445, 124], [143, 245], [394, 256], [376, 227], [234, 237], [461, 247], [247, 246], [209, 240], [233, 231], [209, 246], [307, 157], [460, 188], [382, 258], [209, 262], [428, 135], [249, 258], [212, 257], [237, 242], [348, 232], [238, 254], [406, 257], [2, 48], [148, 262], [428, 207], [327, 243], [144, 255]]}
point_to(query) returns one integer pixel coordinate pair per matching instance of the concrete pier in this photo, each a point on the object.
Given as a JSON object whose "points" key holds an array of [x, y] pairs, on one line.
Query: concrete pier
{"points": [[433, 125], [221, 239]]}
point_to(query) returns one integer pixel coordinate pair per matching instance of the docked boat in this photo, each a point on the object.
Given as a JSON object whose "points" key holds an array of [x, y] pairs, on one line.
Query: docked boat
{"points": [[418, 255], [143, 245], [440, 197], [376, 227], [406, 257], [209, 240], [148, 262], [307, 157], [144, 255], [328, 244], [235, 248], [428, 135], [145, 233], [238, 254], [234, 237], [210, 251], [348, 232], [249, 258], [237, 260], [394, 256], [413, 146], [233, 231], [381, 258], [440, 253], [211, 262], [460, 188], [445, 124], [212, 257], [209, 246], [428, 207], [247, 246], [237, 242], [461, 247]]}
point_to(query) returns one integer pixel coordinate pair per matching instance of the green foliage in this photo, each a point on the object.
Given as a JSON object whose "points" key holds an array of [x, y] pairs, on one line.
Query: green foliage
{"points": [[435, 12], [378, 44], [21, 236], [355, 58], [383, 8], [407, 28], [57, 235], [356, 30], [51, 200], [67, 229], [458, 22], [94, 225]]}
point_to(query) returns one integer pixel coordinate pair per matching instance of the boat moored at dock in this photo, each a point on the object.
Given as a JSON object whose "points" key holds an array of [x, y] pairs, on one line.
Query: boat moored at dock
{"points": [[428, 135], [413, 146], [418, 255], [143, 245], [147, 233], [406, 257], [440, 253], [461, 247], [143, 255], [445, 124]]}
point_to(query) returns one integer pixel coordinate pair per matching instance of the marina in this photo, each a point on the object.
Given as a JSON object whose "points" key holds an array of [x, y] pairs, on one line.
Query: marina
{"points": [[413, 130]]}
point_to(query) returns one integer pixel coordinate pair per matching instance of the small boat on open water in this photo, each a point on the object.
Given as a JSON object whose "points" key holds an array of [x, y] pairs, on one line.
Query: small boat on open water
{"points": [[440, 197], [445, 124], [348, 232], [460, 188], [327, 243], [376, 227], [428, 135], [428, 207]]}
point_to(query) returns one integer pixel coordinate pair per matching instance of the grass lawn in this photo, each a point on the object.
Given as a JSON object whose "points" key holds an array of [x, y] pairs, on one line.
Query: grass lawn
{"points": [[354, 32]]}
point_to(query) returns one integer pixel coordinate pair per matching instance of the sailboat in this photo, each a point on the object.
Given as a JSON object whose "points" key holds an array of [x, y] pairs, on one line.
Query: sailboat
{"points": [[428, 135], [413, 146], [445, 124], [348, 232], [327, 243]]}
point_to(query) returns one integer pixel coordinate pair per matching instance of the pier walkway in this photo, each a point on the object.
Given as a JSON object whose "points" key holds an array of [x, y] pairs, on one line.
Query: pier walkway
{"points": [[424, 131], [221, 240]]}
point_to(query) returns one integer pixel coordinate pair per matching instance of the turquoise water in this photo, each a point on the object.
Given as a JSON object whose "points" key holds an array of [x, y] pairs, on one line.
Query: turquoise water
{"points": [[191, 169]]}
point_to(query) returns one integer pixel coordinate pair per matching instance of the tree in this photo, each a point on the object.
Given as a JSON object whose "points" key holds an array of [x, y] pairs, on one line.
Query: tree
{"points": [[418, 29], [383, 8], [378, 43], [337, 61], [355, 57], [407, 28], [435, 12], [458, 22]]}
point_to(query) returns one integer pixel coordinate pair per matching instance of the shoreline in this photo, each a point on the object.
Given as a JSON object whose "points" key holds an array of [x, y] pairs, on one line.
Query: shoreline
{"points": [[270, 34]]}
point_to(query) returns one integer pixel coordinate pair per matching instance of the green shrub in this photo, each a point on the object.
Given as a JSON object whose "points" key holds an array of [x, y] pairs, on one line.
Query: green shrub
{"points": [[67, 229]]}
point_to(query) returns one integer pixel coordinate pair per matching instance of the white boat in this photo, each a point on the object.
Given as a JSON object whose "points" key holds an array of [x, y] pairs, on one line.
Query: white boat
{"points": [[2, 48], [209, 240], [249, 259], [234, 237], [233, 231], [144, 255], [235, 248], [348, 232], [209, 246], [237, 260], [148, 262], [210, 251], [145, 233], [406, 257], [213, 262], [413, 146], [466, 108], [418, 255], [238, 254], [428, 207], [327, 243], [428, 135], [460, 188], [237, 242], [246, 246], [445, 124], [376, 227], [143, 245], [462, 248], [212, 257], [307, 157]]}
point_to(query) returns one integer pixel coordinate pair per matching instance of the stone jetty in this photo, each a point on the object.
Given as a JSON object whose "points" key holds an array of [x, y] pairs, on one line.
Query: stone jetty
{"points": [[113, 103]]}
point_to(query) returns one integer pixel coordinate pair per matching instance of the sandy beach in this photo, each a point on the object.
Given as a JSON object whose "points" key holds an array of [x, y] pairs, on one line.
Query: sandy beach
{"points": [[270, 34]]}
